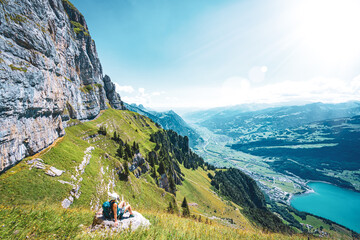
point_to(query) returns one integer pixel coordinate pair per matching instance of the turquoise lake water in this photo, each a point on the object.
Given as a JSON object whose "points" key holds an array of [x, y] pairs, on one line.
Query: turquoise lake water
{"points": [[328, 201]]}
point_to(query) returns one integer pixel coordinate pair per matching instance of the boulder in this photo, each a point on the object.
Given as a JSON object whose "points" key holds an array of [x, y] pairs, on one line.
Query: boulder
{"points": [[138, 221], [67, 202], [54, 172], [36, 163]]}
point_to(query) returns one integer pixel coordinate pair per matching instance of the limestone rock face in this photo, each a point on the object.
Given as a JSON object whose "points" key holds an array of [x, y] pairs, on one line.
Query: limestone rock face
{"points": [[49, 73]]}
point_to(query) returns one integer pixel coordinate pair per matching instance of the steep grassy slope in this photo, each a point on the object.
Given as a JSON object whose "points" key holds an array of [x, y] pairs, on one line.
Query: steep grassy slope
{"points": [[22, 185], [30, 202]]}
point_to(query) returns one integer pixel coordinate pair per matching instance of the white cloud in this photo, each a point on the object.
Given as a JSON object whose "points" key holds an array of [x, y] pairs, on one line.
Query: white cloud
{"points": [[141, 96], [238, 90], [141, 90], [257, 74], [126, 89]]}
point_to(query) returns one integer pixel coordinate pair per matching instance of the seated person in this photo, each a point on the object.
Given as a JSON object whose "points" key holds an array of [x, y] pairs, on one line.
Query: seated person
{"points": [[118, 209]]}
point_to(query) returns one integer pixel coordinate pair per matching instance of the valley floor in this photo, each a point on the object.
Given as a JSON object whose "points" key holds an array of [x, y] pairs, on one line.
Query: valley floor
{"points": [[279, 187]]}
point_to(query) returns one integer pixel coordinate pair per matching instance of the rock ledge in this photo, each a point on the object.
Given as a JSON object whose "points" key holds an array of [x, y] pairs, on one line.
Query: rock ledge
{"points": [[138, 221]]}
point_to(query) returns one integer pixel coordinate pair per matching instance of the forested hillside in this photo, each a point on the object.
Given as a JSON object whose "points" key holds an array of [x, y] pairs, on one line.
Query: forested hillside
{"points": [[242, 190]]}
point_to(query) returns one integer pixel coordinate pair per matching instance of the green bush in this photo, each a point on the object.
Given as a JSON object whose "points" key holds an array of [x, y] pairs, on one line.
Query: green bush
{"points": [[78, 28]]}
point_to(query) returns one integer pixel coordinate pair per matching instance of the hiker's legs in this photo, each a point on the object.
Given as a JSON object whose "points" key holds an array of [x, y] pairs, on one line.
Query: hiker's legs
{"points": [[121, 204], [128, 208]]}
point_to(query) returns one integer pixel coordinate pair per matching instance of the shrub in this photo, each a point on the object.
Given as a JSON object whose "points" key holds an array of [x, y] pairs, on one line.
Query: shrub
{"points": [[102, 130], [78, 28]]}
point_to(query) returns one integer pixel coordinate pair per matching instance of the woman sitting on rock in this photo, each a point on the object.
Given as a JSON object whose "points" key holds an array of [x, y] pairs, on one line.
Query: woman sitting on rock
{"points": [[119, 209]]}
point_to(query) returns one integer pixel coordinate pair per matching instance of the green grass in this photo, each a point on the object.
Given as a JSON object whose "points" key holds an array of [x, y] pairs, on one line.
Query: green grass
{"points": [[98, 85], [14, 68], [44, 221], [51, 222], [21, 185], [87, 88], [170, 226], [197, 189]]}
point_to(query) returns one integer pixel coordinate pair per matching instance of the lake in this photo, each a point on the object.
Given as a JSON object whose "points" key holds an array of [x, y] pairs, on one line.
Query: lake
{"points": [[328, 201]]}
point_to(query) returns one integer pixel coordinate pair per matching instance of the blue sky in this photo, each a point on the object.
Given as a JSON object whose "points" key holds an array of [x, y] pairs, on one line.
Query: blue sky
{"points": [[208, 53]]}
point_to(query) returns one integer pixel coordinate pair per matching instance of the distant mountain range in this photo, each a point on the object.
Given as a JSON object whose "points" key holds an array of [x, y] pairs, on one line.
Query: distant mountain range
{"points": [[239, 121], [168, 120]]}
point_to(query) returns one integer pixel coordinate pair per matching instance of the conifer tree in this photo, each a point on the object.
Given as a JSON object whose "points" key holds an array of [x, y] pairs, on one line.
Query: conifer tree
{"points": [[157, 147], [102, 130], [185, 208], [120, 151], [128, 153], [126, 170], [170, 208], [161, 169], [133, 148], [115, 137], [172, 184]]}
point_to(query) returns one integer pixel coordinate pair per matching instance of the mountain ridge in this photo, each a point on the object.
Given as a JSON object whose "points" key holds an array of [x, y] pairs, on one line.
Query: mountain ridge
{"points": [[168, 120]]}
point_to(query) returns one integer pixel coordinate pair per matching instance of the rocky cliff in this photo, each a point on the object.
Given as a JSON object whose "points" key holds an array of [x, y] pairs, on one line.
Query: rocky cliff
{"points": [[49, 73]]}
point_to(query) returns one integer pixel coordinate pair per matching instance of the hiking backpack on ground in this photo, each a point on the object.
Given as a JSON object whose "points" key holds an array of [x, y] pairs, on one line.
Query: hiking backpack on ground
{"points": [[107, 210]]}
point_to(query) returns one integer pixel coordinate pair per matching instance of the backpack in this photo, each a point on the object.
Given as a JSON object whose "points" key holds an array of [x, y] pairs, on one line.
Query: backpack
{"points": [[107, 210]]}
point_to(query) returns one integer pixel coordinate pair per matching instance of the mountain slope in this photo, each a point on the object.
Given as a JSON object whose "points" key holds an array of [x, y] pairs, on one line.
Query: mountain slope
{"points": [[49, 73], [168, 120], [102, 174]]}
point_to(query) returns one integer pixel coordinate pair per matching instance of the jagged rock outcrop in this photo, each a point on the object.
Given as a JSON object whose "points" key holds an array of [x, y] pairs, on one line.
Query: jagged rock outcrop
{"points": [[49, 73], [164, 182], [111, 94], [139, 166]]}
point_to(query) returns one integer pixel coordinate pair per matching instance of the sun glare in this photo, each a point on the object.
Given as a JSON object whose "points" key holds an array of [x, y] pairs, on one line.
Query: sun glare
{"points": [[330, 28]]}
